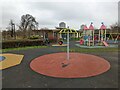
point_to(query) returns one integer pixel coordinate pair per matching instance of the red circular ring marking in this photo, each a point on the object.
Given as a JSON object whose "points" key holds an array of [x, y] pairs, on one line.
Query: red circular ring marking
{"points": [[80, 65]]}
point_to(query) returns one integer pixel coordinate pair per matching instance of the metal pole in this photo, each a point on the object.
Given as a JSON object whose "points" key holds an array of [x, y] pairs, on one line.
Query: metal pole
{"points": [[68, 45], [99, 35], [93, 38], [105, 34]]}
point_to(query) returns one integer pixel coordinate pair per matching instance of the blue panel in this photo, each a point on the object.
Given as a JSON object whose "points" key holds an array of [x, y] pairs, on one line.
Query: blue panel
{"points": [[2, 58]]}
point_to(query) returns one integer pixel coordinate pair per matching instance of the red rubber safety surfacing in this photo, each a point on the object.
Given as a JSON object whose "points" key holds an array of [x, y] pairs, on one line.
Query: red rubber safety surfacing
{"points": [[79, 65]]}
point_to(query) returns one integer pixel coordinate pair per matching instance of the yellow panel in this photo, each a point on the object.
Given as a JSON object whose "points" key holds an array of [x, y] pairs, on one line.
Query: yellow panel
{"points": [[65, 31], [10, 60]]}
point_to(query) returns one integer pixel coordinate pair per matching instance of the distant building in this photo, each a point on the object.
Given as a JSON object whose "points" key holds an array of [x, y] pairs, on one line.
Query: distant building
{"points": [[54, 33], [46, 33], [62, 25]]}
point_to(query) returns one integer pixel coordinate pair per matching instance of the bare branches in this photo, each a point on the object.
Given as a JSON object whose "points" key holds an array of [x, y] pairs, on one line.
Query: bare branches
{"points": [[28, 23]]}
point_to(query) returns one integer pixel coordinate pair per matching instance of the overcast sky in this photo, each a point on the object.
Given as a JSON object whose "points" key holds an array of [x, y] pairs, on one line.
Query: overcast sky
{"points": [[50, 12]]}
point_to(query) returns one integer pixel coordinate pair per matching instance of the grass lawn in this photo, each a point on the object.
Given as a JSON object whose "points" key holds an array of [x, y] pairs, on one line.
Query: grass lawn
{"points": [[92, 49], [22, 48], [81, 50]]}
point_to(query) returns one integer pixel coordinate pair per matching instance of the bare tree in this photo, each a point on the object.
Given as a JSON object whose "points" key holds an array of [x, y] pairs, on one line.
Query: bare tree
{"points": [[27, 24], [114, 28]]}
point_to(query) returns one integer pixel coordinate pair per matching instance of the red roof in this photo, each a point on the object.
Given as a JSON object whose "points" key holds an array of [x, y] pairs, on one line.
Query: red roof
{"points": [[85, 27], [103, 27], [91, 27]]}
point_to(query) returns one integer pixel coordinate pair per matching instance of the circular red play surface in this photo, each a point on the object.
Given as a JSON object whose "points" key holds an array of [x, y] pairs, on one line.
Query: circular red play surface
{"points": [[79, 65]]}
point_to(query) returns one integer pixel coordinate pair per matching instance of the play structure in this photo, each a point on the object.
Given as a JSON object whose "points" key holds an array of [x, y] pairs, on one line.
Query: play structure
{"points": [[113, 38], [60, 43], [89, 38], [64, 31], [68, 31]]}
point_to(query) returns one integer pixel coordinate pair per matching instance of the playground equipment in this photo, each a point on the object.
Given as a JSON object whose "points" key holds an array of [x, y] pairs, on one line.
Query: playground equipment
{"points": [[90, 38], [88, 35], [114, 37], [105, 43], [102, 33], [85, 37], [60, 42], [68, 30], [81, 65], [91, 30]]}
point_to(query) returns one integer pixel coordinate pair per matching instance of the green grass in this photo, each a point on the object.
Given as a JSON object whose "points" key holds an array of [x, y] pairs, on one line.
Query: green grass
{"points": [[22, 48], [81, 50], [91, 50]]}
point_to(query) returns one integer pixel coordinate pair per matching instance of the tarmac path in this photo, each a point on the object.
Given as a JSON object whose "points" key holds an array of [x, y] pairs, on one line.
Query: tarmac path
{"points": [[21, 76]]}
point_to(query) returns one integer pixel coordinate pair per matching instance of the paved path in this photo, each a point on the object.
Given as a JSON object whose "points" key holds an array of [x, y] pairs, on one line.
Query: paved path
{"points": [[22, 76]]}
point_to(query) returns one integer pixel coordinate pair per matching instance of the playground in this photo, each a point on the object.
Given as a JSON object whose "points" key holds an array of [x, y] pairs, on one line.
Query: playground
{"points": [[90, 40], [59, 44], [53, 68], [22, 76]]}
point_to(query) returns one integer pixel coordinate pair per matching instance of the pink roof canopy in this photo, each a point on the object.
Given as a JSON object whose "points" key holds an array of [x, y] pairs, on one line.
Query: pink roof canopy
{"points": [[85, 27], [91, 27], [103, 27]]}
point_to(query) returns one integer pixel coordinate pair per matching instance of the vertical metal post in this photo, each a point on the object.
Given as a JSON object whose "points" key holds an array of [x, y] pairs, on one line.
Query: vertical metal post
{"points": [[105, 34], [99, 35], [68, 45], [93, 38]]}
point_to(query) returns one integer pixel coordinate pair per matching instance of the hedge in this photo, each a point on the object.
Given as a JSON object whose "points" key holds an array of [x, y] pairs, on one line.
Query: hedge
{"points": [[23, 43], [15, 44]]}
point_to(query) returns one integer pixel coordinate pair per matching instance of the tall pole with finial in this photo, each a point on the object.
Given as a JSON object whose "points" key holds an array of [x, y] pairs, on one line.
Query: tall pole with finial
{"points": [[104, 31], [67, 31], [102, 34], [92, 33], [68, 44]]}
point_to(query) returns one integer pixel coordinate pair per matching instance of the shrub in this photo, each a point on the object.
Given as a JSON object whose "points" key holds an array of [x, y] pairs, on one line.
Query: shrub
{"points": [[34, 37], [53, 40], [23, 43]]}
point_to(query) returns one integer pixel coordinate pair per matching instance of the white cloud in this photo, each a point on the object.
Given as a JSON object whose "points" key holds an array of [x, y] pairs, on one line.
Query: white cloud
{"points": [[50, 13]]}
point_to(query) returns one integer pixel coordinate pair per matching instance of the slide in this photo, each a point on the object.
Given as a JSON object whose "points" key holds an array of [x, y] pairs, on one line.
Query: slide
{"points": [[105, 43]]}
